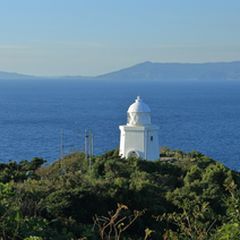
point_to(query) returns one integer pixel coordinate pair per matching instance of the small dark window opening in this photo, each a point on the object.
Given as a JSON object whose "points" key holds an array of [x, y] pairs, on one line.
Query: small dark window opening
{"points": [[151, 138]]}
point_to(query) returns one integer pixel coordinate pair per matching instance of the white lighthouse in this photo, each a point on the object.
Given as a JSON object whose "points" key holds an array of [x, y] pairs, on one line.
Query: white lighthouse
{"points": [[139, 138]]}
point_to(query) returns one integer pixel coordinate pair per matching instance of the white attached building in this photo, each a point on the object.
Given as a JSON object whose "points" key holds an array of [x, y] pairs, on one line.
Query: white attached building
{"points": [[139, 138]]}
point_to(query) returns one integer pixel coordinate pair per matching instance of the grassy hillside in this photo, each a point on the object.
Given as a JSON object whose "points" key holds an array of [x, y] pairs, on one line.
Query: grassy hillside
{"points": [[186, 196]]}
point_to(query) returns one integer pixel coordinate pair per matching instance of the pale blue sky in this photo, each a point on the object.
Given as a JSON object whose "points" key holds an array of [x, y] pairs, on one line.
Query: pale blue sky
{"points": [[89, 37]]}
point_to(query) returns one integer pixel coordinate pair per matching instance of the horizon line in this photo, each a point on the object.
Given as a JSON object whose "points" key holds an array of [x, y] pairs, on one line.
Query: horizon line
{"points": [[117, 70]]}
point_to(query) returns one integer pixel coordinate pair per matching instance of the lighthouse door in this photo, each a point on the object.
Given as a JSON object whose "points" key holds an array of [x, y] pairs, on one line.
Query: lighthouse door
{"points": [[133, 154]]}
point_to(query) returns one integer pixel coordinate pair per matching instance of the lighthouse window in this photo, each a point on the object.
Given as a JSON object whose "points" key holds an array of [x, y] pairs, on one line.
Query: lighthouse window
{"points": [[151, 138]]}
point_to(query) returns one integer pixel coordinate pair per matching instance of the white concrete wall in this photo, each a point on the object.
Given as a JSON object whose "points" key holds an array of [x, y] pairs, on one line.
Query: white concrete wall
{"points": [[138, 139], [152, 149]]}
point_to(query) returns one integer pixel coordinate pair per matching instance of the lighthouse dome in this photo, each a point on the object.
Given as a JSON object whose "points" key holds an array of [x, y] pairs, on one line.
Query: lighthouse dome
{"points": [[139, 113], [139, 106]]}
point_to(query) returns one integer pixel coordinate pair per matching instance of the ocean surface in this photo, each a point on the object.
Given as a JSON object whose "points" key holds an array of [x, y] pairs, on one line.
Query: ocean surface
{"points": [[191, 116]]}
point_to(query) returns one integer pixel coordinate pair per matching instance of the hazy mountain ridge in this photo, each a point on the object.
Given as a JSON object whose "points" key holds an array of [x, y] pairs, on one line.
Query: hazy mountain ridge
{"points": [[178, 71], [149, 71], [13, 75]]}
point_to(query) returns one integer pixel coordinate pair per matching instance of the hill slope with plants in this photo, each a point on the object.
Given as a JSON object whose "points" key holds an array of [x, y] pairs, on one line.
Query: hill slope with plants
{"points": [[184, 196]]}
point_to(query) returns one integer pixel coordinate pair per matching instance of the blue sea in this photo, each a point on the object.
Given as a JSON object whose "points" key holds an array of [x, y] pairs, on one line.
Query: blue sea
{"points": [[191, 116]]}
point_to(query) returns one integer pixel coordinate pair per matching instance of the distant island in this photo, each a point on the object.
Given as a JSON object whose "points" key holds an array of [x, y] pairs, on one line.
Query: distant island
{"points": [[13, 75], [149, 71]]}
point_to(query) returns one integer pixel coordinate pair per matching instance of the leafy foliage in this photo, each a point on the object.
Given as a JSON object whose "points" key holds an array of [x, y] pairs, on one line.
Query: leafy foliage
{"points": [[182, 196]]}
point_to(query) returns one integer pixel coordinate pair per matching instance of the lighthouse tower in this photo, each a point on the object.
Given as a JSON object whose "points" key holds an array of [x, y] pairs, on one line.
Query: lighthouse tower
{"points": [[139, 138]]}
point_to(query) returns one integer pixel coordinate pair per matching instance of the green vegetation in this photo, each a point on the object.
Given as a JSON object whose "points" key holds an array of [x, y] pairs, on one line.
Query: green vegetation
{"points": [[186, 196]]}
